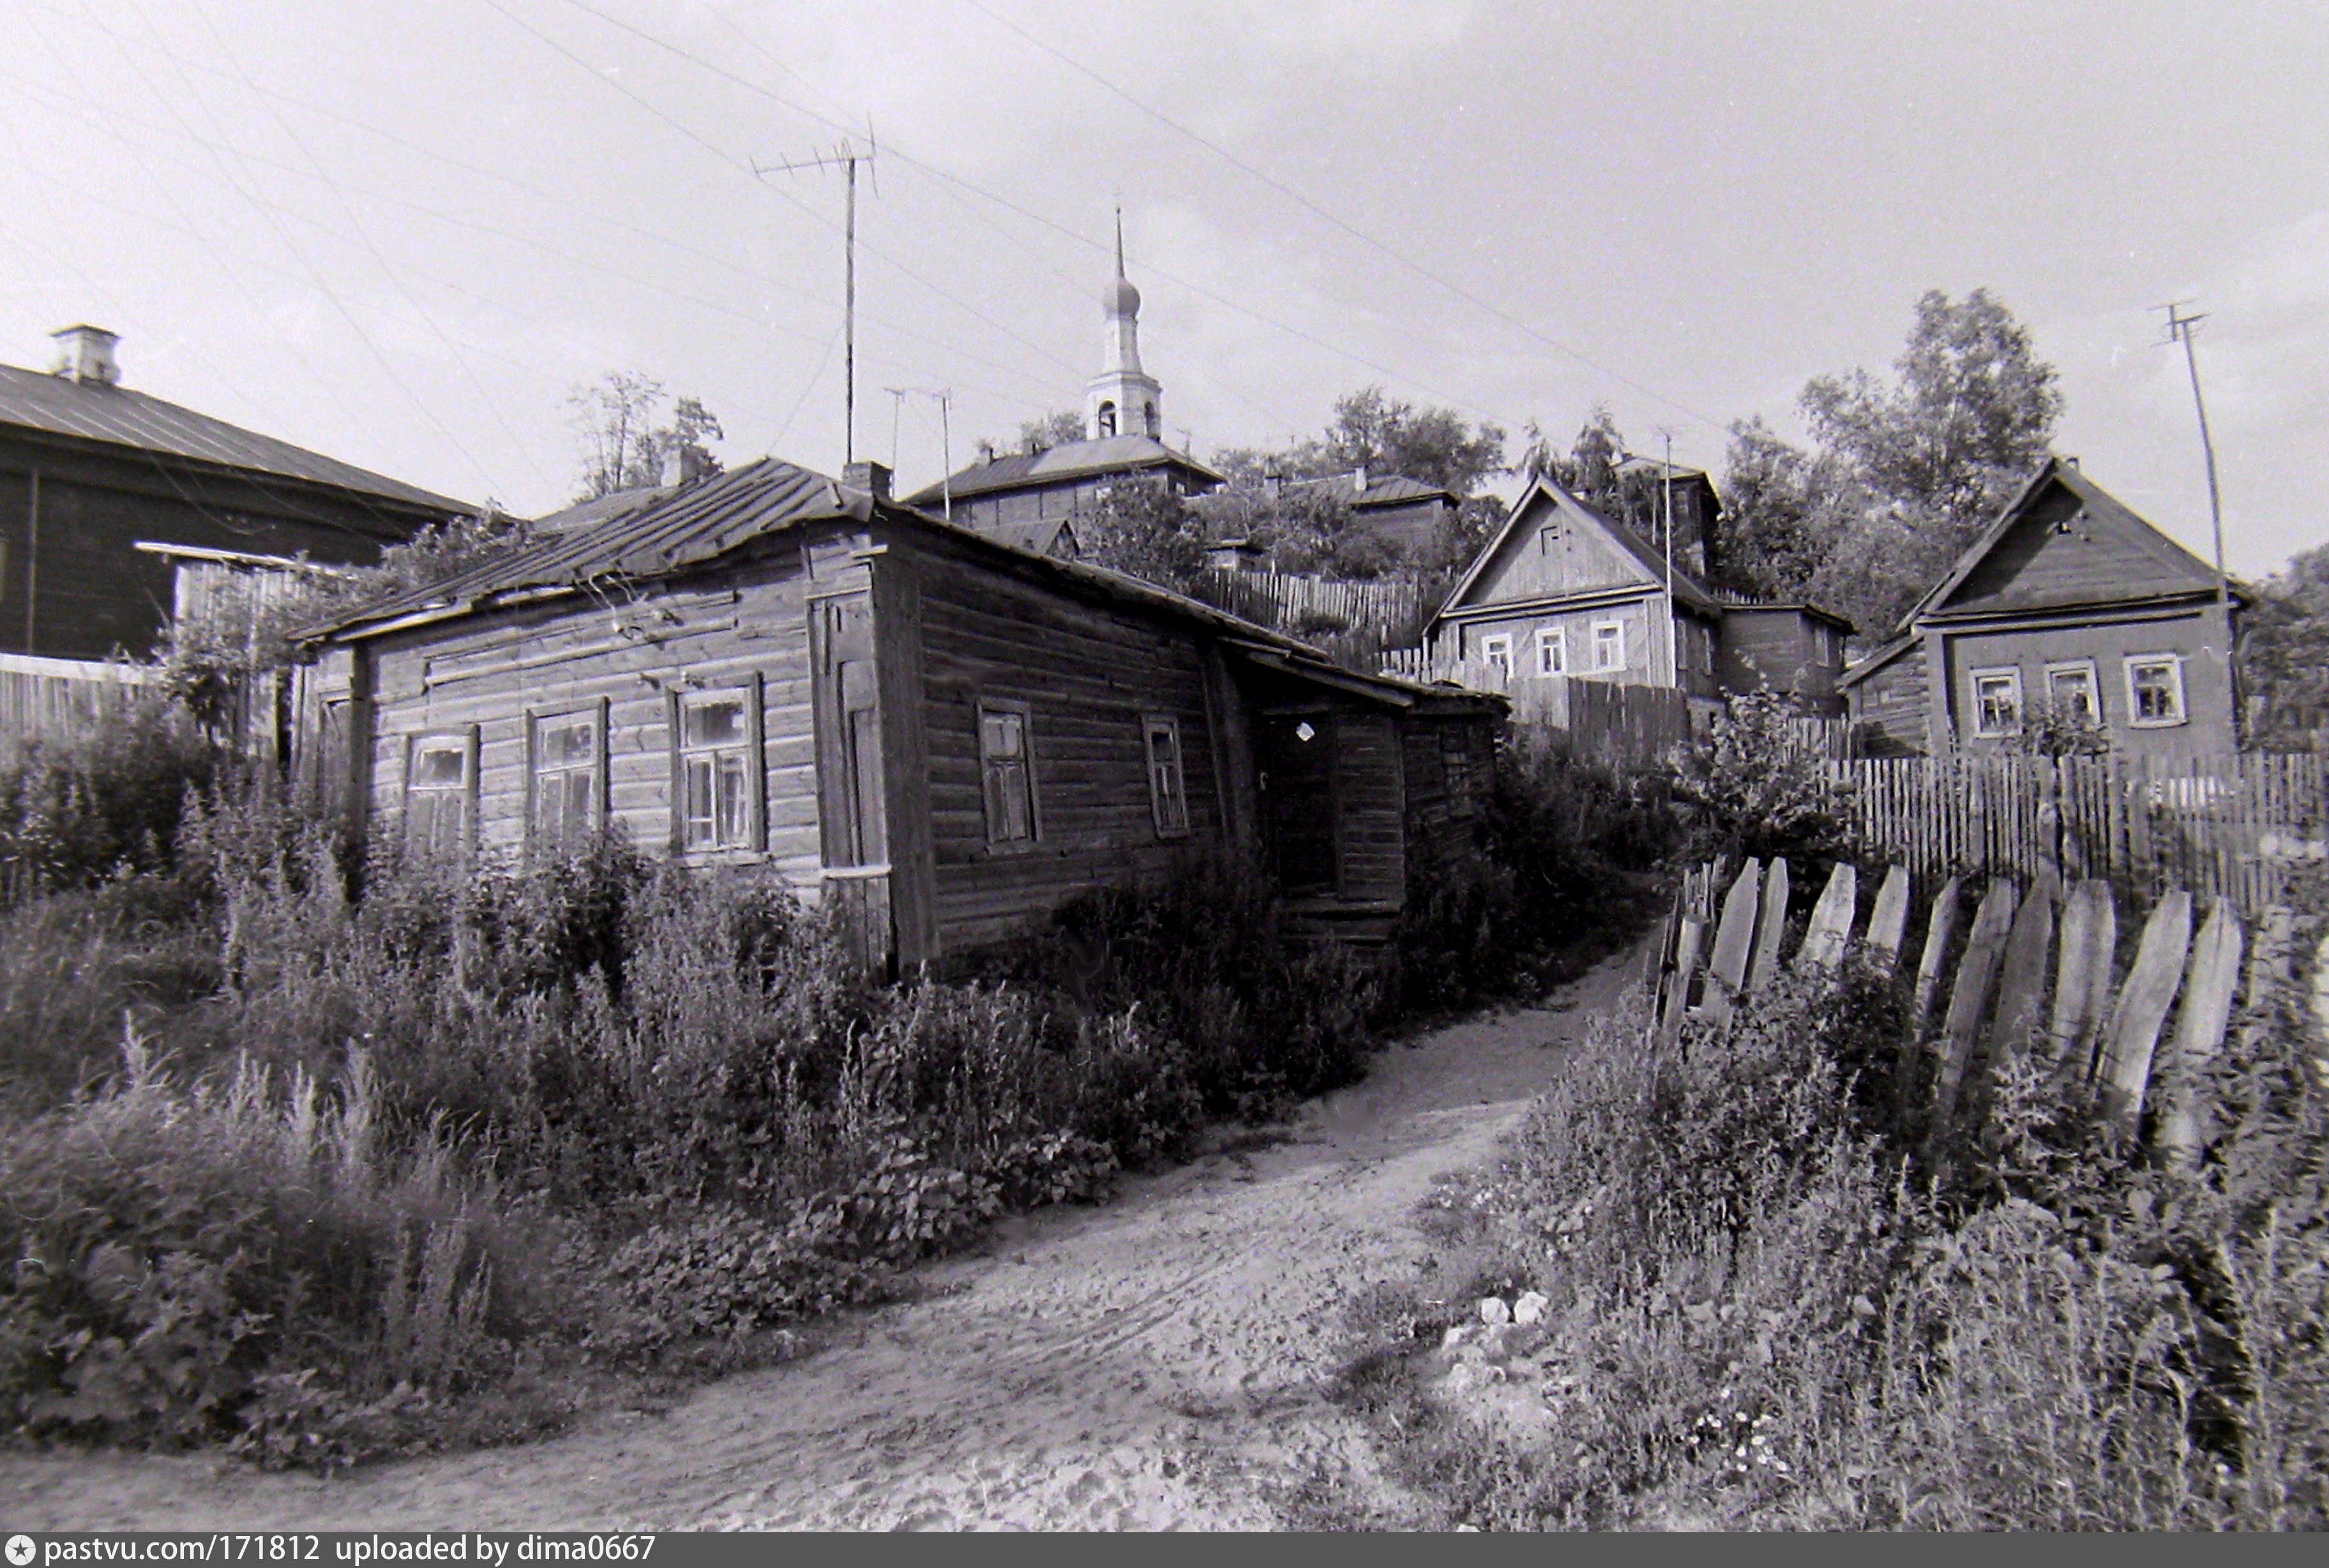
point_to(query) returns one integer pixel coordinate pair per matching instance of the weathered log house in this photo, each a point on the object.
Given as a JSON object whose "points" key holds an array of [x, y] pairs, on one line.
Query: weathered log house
{"points": [[952, 735]]}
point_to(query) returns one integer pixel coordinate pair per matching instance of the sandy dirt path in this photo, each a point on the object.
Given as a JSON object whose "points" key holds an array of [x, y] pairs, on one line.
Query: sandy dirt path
{"points": [[1157, 1363]]}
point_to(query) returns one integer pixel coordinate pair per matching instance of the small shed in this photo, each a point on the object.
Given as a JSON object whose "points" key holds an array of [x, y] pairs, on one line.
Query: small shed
{"points": [[949, 735]]}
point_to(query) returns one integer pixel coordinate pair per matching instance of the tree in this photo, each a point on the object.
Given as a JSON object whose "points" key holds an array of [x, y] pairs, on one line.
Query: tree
{"points": [[2285, 651], [1060, 428], [1146, 530], [1784, 510], [1376, 433], [622, 447]]}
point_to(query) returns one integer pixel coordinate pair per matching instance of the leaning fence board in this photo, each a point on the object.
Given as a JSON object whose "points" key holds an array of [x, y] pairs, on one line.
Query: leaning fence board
{"points": [[2133, 1030], [1890, 920], [1770, 925], [1941, 930], [2199, 1034], [1969, 1002], [1694, 933], [1830, 923], [1727, 970], [2022, 978], [2082, 976]]}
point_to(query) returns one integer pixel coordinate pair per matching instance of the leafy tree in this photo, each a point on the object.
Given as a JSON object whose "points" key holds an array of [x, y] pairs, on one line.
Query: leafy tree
{"points": [[622, 445], [1382, 434], [1756, 784], [1146, 530], [1060, 427], [2057, 729], [2285, 651], [1783, 511]]}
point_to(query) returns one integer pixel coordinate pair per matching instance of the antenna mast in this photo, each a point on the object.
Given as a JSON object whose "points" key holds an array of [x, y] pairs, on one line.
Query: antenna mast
{"points": [[2182, 328], [845, 157]]}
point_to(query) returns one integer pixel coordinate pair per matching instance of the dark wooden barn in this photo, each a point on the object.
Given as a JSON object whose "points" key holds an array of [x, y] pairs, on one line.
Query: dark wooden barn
{"points": [[952, 735], [90, 470]]}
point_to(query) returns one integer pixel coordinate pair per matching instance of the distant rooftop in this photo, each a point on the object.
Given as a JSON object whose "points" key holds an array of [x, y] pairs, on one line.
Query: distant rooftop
{"points": [[1069, 460]]}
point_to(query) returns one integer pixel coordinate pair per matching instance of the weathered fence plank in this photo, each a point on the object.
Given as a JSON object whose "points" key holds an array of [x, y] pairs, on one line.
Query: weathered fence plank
{"points": [[2199, 1034], [1889, 922], [1732, 940], [1770, 925], [1941, 930], [2082, 976], [2133, 1030], [1969, 1001], [2022, 979], [1830, 923], [1694, 935]]}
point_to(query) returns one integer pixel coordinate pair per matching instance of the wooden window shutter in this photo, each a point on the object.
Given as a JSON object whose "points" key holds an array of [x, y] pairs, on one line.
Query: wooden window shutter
{"points": [[533, 777], [759, 773], [411, 742], [678, 774], [605, 804], [476, 792]]}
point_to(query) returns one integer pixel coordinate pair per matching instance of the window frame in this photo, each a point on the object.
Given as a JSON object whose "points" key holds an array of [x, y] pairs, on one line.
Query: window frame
{"points": [[1547, 535], [2173, 661], [1170, 822], [1618, 643], [537, 721], [2094, 685], [1975, 677], [1553, 639], [1496, 648], [754, 751], [466, 741], [1026, 713]]}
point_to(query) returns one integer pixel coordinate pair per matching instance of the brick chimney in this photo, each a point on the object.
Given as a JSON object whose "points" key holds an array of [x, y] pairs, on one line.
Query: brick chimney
{"points": [[873, 478], [85, 354]]}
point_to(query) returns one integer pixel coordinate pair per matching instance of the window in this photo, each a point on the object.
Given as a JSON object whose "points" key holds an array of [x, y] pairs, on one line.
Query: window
{"points": [[1168, 799], [1005, 767], [440, 781], [1106, 420], [2154, 690], [1548, 539], [1148, 417], [2070, 688], [1552, 651], [1996, 701], [715, 769], [1496, 652], [1608, 645], [568, 765]]}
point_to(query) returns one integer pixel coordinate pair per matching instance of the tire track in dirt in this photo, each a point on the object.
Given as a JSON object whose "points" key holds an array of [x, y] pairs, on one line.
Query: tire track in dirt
{"points": [[1157, 1363]]}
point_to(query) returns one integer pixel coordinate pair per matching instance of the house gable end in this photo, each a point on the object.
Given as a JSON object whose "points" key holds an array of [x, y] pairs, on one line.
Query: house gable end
{"points": [[2066, 549], [1582, 555]]}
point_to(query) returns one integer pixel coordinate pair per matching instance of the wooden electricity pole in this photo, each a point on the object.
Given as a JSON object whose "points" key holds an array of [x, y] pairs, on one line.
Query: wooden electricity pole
{"points": [[845, 157], [2182, 328]]}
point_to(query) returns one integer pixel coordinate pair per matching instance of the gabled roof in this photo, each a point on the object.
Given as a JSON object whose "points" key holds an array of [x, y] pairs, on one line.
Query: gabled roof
{"points": [[1855, 674], [1361, 488], [1687, 588], [1040, 538], [601, 508], [2161, 568], [1069, 460], [58, 405], [707, 521]]}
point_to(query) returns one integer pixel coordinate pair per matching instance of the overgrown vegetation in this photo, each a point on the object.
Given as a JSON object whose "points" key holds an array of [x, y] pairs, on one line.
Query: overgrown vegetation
{"points": [[317, 1167], [1777, 1299]]}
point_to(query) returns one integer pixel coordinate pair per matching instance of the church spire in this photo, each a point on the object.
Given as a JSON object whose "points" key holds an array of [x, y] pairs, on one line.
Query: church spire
{"points": [[1123, 399]]}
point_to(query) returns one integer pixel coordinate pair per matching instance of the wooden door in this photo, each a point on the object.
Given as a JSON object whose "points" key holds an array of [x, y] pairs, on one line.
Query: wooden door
{"points": [[852, 812], [1297, 791]]}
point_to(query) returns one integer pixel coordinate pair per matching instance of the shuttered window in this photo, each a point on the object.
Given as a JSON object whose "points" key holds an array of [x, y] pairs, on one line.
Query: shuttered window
{"points": [[1168, 797], [440, 793], [1006, 768]]}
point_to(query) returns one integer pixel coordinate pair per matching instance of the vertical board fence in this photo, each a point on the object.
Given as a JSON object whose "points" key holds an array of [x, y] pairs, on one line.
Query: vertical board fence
{"points": [[53, 699], [2224, 826]]}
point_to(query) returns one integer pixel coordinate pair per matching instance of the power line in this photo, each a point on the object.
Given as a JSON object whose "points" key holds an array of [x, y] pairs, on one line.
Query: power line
{"points": [[1282, 188]]}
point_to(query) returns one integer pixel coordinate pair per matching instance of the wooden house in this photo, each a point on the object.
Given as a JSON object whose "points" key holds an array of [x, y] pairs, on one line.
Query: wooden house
{"points": [[92, 474], [1564, 591], [949, 733], [2071, 598]]}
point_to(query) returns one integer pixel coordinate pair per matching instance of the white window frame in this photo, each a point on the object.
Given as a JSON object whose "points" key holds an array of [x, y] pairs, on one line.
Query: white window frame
{"points": [[1496, 648], [720, 832], [1552, 650], [462, 792], [541, 766], [1602, 645], [996, 770], [1547, 537], [1981, 726], [1168, 787], [2084, 667], [2174, 661]]}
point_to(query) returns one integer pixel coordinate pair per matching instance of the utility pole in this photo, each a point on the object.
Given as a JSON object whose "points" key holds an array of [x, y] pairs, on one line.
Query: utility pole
{"points": [[844, 157], [1674, 621], [2182, 328]]}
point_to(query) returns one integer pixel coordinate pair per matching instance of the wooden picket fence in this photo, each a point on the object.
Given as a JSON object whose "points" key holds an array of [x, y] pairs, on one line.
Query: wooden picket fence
{"points": [[1392, 608], [2036, 973], [45, 698], [2226, 828]]}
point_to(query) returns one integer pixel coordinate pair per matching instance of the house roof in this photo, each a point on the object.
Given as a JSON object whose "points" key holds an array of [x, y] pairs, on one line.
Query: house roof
{"points": [[2136, 562], [601, 508], [1362, 488], [1069, 460], [1748, 602], [1038, 538], [1687, 588], [58, 405], [762, 499], [1659, 468], [1855, 674]]}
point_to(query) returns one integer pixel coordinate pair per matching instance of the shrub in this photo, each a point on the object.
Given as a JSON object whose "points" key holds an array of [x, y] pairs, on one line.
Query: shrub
{"points": [[79, 810], [1756, 787]]}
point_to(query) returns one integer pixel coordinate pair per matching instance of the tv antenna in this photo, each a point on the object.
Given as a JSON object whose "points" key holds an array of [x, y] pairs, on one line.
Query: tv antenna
{"points": [[844, 157], [2182, 328], [944, 398]]}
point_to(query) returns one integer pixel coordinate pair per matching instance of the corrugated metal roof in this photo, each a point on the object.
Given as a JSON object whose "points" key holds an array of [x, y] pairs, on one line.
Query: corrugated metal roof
{"points": [[1361, 488], [1070, 459], [58, 405], [600, 509]]}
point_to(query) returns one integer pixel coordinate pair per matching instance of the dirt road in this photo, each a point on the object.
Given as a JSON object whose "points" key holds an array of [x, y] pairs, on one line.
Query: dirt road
{"points": [[1157, 1363]]}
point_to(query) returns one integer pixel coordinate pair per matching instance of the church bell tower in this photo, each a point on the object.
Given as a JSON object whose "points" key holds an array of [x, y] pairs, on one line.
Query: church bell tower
{"points": [[1122, 399]]}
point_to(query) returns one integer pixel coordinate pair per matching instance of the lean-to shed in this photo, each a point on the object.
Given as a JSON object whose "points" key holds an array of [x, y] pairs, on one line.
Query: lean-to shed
{"points": [[951, 734]]}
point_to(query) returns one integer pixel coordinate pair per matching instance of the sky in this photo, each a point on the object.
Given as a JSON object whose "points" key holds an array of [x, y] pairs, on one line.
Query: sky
{"points": [[404, 234]]}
